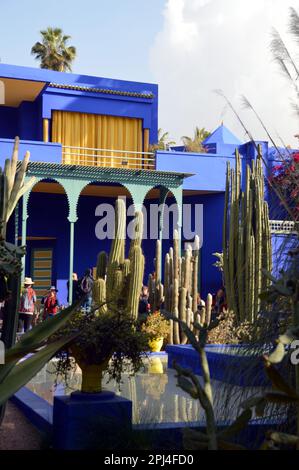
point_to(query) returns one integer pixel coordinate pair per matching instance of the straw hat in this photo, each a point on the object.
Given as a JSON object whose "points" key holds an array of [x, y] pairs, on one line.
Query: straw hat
{"points": [[53, 288], [28, 281]]}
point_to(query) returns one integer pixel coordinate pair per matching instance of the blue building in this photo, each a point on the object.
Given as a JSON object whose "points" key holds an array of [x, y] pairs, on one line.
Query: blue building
{"points": [[90, 142]]}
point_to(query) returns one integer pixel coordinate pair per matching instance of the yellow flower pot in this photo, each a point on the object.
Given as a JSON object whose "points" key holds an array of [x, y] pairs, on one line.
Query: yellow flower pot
{"points": [[156, 344], [155, 366]]}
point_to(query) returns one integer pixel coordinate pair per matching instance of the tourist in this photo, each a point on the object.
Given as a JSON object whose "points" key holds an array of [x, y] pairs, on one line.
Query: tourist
{"points": [[144, 305], [27, 305], [86, 286], [51, 303], [220, 301], [77, 293], [200, 303]]}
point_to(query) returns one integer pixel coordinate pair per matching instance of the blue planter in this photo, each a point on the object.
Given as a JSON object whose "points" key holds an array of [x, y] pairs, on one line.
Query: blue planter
{"points": [[91, 421], [236, 369]]}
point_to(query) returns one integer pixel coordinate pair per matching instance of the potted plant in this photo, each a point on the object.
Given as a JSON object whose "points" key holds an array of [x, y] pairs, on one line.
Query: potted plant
{"points": [[108, 339], [110, 330], [108, 342], [157, 327]]}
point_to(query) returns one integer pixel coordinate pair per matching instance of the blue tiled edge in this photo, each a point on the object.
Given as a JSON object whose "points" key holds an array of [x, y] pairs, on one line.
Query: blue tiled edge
{"points": [[36, 409]]}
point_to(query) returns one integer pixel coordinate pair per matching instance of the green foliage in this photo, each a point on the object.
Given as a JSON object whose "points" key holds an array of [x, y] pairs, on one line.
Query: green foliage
{"points": [[15, 374], [156, 326], [246, 242], [163, 143], [111, 335], [194, 144], [213, 438], [53, 52], [180, 289]]}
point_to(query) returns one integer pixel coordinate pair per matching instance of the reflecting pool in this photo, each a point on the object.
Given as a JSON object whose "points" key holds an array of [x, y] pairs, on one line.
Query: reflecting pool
{"points": [[154, 392]]}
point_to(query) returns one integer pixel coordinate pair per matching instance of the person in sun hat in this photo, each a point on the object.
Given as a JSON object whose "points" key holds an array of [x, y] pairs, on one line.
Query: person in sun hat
{"points": [[51, 303], [27, 305]]}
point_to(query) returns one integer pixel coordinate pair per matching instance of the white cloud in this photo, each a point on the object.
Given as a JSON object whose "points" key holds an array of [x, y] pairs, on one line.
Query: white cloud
{"points": [[222, 44]]}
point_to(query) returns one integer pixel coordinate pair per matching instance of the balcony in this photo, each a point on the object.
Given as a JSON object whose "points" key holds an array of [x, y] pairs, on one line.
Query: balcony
{"points": [[208, 169], [39, 151], [49, 152], [108, 158]]}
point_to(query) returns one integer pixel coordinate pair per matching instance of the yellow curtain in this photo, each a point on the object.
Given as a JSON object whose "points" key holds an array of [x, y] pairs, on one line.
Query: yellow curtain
{"points": [[90, 132]]}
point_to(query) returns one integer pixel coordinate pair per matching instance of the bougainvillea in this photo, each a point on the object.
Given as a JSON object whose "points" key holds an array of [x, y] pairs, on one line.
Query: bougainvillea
{"points": [[286, 177]]}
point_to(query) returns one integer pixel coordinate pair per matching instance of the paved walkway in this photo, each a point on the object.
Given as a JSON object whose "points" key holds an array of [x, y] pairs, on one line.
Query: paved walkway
{"points": [[17, 433]]}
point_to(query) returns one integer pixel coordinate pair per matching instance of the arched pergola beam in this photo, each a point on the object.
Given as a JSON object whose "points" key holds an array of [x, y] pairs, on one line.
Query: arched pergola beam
{"points": [[74, 178]]}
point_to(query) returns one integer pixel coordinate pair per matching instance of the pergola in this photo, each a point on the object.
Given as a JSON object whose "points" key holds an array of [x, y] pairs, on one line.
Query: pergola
{"points": [[74, 178]]}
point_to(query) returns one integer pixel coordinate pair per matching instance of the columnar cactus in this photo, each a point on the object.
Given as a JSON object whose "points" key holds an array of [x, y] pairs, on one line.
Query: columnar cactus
{"points": [[101, 265], [180, 290], [246, 240], [13, 184], [119, 280]]}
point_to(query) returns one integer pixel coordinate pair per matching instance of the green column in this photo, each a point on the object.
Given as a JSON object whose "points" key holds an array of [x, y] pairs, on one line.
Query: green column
{"points": [[17, 224], [73, 188], [178, 194], [71, 267], [162, 199], [24, 232]]}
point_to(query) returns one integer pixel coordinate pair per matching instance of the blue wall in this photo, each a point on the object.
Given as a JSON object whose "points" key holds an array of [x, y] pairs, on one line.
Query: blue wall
{"points": [[213, 206], [26, 121], [48, 218], [9, 127]]}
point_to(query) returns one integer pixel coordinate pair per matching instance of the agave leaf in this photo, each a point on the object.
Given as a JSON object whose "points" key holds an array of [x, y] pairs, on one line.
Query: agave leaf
{"points": [[214, 324], [283, 438], [260, 408], [281, 398], [187, 386], [224, 445], [194, 434], [278, 381], [252, 402], [24, 371], [239, 424], [34, 338], [194, 439], [289, 336], [277, 355], [269, 275], [190, 335]]}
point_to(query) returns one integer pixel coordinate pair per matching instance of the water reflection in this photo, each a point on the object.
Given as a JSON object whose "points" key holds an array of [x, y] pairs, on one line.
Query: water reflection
{"points": [[153, 392]]}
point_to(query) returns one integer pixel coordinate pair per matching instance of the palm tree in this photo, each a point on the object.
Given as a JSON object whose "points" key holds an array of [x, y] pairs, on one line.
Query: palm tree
{"points": [[53, 52], [163, 141], [195, 144]]}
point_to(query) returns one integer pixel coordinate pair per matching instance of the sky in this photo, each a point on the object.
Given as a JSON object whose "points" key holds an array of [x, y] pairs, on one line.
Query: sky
{"points": [[189, 47]]}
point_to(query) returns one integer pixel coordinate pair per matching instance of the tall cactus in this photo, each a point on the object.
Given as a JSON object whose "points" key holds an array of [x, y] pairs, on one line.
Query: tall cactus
{"points": [[180, 289], [246, 239], [119, 280], [101, 265]]}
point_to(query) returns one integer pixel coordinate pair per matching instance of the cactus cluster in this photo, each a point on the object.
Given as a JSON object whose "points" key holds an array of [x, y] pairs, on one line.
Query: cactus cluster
{"points": [[13, 185], [246, 239], [180, 289], [119, 280]]}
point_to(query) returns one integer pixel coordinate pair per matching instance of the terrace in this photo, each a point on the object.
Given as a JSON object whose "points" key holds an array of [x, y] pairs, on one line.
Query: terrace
{"points": [[163, 161]]}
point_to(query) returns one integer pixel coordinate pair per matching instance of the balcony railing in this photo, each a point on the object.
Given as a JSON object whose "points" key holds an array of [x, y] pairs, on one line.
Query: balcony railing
{"points": [[283, 227], [108, 158]]}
